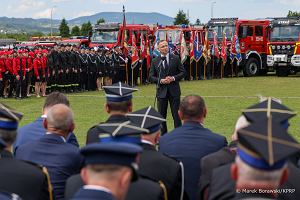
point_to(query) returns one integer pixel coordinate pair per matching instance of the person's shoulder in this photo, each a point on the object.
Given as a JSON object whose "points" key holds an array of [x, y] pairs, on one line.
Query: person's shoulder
{"points": [[172, 55]]}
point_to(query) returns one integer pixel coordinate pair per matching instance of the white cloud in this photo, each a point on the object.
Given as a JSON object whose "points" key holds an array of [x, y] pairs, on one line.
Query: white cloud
{"points": [[59, 1], [26, 5], [188, 1], [290, 2], [112, 1], [43, 14], [84, 13]]}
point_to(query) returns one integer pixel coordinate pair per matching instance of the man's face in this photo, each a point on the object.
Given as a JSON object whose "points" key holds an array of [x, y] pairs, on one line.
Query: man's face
{"points": [[163, 47]]}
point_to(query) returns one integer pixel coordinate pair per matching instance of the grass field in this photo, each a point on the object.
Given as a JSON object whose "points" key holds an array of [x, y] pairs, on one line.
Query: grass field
{"points": [[224, 98]]}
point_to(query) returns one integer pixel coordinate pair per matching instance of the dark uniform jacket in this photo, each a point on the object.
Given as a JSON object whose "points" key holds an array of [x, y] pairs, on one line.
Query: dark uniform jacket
{"points": [[224, 188], [61, 159], [188, 144], [94, 132], [90, 194], [24, 179], [142, 189], [160, 167], [158, 72], [212, 161]]}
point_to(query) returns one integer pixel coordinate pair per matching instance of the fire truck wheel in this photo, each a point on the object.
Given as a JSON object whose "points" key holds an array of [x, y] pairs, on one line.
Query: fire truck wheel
{"points": [[251, 67], [282, 71]]}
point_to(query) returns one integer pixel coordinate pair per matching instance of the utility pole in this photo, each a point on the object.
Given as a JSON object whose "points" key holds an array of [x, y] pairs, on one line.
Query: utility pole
{"points": [[212, 9]]}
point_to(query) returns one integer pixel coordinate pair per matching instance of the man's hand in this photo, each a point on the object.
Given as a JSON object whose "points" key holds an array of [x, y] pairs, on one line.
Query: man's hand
{"points": [[170, 78], [165, 81], [18, 77]]}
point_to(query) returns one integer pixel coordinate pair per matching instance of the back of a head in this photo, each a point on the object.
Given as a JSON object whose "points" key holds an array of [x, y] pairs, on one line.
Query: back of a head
{"points": [[124, 106], [60, 117], [192, 107], [56, 98]]}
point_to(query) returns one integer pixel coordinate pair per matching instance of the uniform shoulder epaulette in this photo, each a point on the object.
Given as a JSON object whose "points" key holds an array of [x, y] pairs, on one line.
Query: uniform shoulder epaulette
{"points": [[44, 170]]}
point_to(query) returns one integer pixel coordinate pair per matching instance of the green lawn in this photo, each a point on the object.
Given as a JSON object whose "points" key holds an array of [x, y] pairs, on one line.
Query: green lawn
{"points": [[224, 98]]}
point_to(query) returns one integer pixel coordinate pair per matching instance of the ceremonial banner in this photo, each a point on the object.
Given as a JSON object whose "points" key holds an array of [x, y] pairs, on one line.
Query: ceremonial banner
{"points": [[183, 49]]}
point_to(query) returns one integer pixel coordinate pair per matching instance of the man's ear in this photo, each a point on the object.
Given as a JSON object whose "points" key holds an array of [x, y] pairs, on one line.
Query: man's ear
{"points": [[84, 175], [72, 127], [45, 123], [125, 178], [205, 112], [180, 114], [284, 176], [130, 107], [234, 172], [106, 108]]}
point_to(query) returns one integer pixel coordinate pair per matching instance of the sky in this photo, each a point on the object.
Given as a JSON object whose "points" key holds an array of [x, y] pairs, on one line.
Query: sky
{"points": [[69, 9]]}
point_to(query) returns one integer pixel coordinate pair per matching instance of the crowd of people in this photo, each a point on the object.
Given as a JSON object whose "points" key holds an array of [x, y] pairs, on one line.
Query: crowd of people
{"points": [[63, 68], [127, 157]]}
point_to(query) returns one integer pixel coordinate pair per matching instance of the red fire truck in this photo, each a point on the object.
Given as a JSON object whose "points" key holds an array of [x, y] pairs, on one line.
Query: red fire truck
{"points": [[109, 34], [253, 39], [284, 46]]}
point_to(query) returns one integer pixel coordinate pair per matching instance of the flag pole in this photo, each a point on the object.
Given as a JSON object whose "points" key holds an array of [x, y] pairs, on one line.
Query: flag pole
{"points": [[141, 73], [204, 70], [126, 68], [190, 70], [132, 75], [213, 67], [196, 70], [231, 69]]}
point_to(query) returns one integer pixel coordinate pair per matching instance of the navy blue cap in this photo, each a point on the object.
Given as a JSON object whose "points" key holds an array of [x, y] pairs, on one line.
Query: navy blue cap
{"points": [[9, 196], [9, 118], [118, 92], [147, 118], [263, 109], [2, 144], [266, 144], [112, 153], [121, 132]]}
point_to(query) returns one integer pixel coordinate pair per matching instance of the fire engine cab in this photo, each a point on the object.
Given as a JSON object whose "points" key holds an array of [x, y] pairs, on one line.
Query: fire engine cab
{"points": [[284, 46], [110, 34], [253, 39]]}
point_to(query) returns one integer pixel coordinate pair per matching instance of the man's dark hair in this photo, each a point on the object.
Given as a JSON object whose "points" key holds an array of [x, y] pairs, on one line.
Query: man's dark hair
{"points": [[119, 106], [160, 41], [56, 98], [8, 136], [192, 107]]}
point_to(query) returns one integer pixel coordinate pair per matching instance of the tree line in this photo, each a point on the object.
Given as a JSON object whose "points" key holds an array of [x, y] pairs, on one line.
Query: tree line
{"points": [[64, 30]]}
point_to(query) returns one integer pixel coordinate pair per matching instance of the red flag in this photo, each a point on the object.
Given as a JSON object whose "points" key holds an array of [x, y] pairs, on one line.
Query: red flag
{"points": [[135, 55], [148, 55], [143, 47], [216, 46], [224, 48], [206, 50], [192, 53], [123, 39]]}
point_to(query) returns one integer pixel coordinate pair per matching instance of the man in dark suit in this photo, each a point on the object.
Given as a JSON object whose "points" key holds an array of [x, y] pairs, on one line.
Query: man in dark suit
{"points": [[109, 169], [166, 71], [192, 141], [24, 179], [52, 151], [35, 130], [154, 164]]}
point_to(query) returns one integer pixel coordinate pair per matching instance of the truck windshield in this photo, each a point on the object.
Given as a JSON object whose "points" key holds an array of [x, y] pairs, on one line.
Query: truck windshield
{"points": [[104, 36], [172, 36], [285, 33], [229, 30]]}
